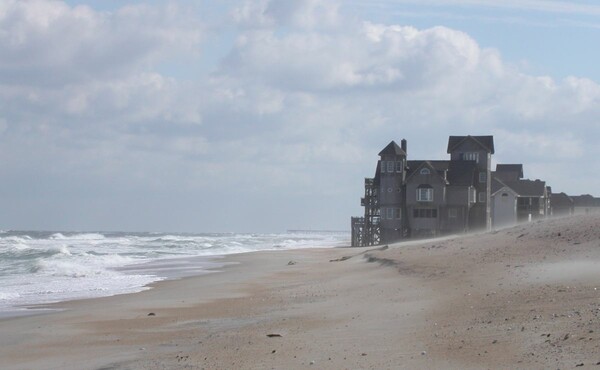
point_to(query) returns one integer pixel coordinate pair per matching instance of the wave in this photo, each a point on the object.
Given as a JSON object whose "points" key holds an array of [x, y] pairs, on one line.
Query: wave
{"points": [[85, 236], [16, 239], [42, 267], [4, 296]]}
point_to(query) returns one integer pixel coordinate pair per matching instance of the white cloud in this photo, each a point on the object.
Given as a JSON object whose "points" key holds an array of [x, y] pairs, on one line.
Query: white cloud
{"points": [[550, 6], [49, 43], [301, 104], [303, 14]]}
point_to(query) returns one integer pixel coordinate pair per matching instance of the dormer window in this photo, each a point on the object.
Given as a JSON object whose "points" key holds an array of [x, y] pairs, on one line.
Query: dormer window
{"points": [[425, 193], [390, 166], [425, 171], [383, 166], [399, 166]]}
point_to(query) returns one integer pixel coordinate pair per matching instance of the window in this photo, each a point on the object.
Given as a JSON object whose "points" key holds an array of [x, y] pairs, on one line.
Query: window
{"points": [[452, 212], [390, 166], [470, 156], [424, 213], [425, 171], [482, 197], [390, 213], [482, 176], [398, 213], [383, 166], [425, 193], [399, 166]]}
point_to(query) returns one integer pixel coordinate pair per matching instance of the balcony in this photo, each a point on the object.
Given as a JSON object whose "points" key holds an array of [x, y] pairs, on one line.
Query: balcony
{"points": [[369, 201]]}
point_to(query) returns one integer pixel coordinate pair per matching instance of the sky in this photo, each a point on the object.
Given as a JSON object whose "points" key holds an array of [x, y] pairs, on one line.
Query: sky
{"points": [[266, 115]]}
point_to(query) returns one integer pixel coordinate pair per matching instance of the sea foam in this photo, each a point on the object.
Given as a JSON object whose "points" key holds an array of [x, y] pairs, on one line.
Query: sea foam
{"points": [[44, 267]]}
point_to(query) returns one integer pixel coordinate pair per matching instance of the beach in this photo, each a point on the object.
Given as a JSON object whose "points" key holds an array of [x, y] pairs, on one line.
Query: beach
{"points": [[526, 297]]}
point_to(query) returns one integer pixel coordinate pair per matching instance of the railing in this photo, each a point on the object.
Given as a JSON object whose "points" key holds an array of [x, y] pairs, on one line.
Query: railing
{"points": [[370, 201]]}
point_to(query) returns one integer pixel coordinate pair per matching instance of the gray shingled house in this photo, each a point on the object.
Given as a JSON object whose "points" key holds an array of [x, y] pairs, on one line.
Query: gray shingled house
{"points": [[585, 204], [561, 204], [417, 198]]}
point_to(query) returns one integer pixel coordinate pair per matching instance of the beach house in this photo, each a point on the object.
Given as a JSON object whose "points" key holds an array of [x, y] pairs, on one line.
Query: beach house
{"points": [[515, 199], [420, 198], [424, 198]]}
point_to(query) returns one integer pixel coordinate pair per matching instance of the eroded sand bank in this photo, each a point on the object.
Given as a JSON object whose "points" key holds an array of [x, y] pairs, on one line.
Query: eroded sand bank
{"points": [[526, 297]]}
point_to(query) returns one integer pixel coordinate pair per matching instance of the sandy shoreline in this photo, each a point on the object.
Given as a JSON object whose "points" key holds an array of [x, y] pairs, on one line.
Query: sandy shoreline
{"points": [[526, 297]]}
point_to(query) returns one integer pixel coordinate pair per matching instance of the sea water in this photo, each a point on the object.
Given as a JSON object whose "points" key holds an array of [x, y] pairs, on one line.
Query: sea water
{"points": [[45, 267]]}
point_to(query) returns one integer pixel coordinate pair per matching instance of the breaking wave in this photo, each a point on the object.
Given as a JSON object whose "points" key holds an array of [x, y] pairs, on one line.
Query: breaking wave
{"points": [[43, 267]]}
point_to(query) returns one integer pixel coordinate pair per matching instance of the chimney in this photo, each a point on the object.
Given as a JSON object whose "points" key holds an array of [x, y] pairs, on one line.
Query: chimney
{"points": [[403, 145]]}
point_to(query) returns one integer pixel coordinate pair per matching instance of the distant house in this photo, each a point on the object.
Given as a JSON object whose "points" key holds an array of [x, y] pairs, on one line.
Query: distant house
{"points": [[585, 204], [515, 199], [561, 204]]}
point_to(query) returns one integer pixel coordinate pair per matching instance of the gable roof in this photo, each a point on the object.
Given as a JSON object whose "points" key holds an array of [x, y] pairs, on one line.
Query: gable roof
{"points": [[487, 142], [527, 188], [392, 149], [498, 185], [510, 168], [561, 200], [439, 167]]}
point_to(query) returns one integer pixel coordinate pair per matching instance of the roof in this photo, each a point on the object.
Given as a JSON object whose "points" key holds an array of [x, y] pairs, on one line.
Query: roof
{"points": [[511, 169], [561, 200], [527, 188], [392, 149], [461, 173], [439, 166], [497, 184], [585, 200], [487, 142]]}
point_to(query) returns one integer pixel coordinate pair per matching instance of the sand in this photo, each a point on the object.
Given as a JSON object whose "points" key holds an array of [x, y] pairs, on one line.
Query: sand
{"points": [[527, 297]]}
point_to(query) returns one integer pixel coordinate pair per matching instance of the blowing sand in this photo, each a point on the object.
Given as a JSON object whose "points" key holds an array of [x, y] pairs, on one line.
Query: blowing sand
{"points": [[521, 298]]}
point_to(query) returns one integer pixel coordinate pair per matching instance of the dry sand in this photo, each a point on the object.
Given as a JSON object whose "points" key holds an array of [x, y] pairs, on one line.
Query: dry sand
{"points": [[521, 298]]}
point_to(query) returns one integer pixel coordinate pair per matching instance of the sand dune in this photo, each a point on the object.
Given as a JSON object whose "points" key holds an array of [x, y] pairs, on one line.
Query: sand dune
{"points": [[526, 297]]}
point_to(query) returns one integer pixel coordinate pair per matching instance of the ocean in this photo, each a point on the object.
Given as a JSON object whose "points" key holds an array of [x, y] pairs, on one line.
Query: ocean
{"points": [[46, 267]]}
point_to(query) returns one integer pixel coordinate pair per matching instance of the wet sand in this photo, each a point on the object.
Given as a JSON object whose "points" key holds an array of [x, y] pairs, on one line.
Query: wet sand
{"points": [[527, 297]]}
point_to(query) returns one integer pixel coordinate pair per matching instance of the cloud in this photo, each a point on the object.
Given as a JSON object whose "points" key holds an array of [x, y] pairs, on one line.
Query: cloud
{"points": [[550, 6], [74, 69], [303, 14], [388, 81], [293, 114], [50, 43]]}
